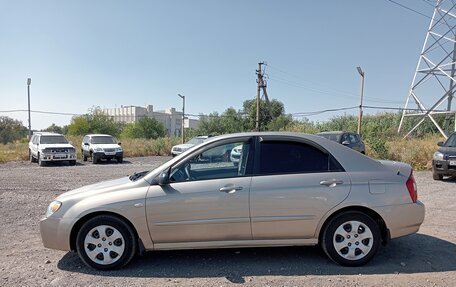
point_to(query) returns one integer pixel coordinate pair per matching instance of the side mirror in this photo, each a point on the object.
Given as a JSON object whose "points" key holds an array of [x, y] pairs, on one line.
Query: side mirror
{"points": [[163, 178], [440, 143], [119, 143], [86, 144], [345, 142]]}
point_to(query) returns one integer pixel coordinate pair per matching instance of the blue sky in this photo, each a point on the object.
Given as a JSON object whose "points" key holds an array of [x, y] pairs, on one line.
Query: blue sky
{"points": [[81, 54]]}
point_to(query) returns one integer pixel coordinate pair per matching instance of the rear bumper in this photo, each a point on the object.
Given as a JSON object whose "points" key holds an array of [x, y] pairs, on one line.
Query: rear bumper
{"points": [[402, 219]]}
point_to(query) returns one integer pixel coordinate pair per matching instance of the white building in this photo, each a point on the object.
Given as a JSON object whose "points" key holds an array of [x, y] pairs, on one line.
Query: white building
{"points": [[170, 118]]}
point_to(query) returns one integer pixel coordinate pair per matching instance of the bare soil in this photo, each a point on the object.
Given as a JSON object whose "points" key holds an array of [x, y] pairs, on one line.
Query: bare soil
{"points": [[427, 258]]}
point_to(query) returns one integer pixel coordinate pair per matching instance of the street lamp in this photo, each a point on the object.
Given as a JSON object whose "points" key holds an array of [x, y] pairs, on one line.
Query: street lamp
{"points": [[360, 117], [29, 82], [183, 116]]}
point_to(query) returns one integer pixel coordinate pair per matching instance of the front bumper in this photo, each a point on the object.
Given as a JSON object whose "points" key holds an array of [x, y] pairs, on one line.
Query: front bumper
{"points": [[55, 233], [57, 157], [107, 155], [443, 167]]}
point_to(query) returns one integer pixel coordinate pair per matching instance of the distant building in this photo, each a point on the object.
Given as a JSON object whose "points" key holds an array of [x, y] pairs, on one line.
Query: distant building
{"points": [[170, 118]]}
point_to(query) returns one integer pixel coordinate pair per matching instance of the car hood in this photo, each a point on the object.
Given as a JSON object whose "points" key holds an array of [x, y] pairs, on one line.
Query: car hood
{"points": [[104, 146], [184, 146], [448, 150], [98, 188], [62, 145]]}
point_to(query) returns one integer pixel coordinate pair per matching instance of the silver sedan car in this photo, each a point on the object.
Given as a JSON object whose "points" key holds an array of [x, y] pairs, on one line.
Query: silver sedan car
{"points": [[286, 189]]}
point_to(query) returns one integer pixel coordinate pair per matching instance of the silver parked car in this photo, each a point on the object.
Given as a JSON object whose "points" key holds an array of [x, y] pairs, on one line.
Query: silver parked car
{"points": [[286, 189]]}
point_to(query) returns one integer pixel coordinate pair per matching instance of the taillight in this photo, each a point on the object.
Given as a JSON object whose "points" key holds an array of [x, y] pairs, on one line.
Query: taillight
{"points": [[411, 186]]}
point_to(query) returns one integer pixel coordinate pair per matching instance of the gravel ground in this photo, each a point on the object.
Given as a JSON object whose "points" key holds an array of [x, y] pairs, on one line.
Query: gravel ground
{"points": [[424, 259]]}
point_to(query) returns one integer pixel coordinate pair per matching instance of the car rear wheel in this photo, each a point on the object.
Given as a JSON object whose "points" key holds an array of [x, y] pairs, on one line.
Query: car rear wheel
{"points": [[32, 159], [106, 242], [84, 157], [351, 238]]}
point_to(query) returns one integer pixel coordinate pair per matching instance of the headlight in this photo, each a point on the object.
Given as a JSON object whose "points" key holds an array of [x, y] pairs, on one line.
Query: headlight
{"points": [[98, 149], [119, 149], [438, 156], [53, 207]]}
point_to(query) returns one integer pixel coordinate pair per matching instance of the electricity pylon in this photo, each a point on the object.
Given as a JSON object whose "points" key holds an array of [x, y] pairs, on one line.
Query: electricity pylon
{"points": [[434, 80]]}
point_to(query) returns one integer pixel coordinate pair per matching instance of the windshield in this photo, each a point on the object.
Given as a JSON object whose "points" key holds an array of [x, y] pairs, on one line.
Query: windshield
{"points": [[103, 140], [451, 142], [196, 141], [333, 137], [53, 140]]}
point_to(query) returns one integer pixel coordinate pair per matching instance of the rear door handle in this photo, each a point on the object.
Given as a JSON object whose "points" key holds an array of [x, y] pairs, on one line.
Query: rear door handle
{"points": [[331, 182], [230, 188]]}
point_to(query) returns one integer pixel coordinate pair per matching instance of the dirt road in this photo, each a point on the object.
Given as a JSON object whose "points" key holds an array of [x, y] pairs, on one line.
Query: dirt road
{"points": [[424, 259]]}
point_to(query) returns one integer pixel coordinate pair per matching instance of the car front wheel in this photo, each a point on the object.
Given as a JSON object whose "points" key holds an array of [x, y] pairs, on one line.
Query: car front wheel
{"points": [[351, 238], [106, 242], [437, 176]]}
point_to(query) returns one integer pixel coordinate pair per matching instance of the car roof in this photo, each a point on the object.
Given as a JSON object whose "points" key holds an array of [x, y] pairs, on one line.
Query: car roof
{"points": [[332, 133], [98, 135], [47, 134]]}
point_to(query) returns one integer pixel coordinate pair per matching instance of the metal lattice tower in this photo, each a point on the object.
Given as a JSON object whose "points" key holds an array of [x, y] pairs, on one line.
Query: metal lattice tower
{"points": [[434, 77]]}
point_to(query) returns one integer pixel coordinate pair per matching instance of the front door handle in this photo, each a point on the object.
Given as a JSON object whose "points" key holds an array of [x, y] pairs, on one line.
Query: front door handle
{"points": [[230, 188], [331, 182]]}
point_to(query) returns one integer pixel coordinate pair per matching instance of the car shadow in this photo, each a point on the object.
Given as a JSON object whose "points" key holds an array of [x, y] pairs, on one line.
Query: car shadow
{"points": [[416, 253], [108, 162], [449, 179]]}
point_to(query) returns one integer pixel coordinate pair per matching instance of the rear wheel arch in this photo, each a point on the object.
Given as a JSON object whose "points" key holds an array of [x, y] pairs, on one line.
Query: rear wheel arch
{"points": [[367, 211]]}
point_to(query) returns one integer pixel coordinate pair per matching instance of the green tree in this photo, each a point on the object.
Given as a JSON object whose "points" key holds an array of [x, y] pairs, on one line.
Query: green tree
{"points": [[11, 130], [268, 113], [94, 122], [54, 129], [147, 128]]}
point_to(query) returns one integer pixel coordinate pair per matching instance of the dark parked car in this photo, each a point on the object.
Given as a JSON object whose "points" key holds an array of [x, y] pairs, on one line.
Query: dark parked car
{"points": [[444, 159], [349, 139]]}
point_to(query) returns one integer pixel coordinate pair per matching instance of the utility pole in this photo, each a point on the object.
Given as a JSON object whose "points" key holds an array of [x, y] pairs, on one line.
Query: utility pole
{"points": [[183, 117], [261, 85], [360, 117], [29, 82]]}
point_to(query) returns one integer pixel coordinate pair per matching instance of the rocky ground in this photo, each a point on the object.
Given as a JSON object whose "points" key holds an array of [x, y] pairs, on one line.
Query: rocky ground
{"points": [[424, 259]]}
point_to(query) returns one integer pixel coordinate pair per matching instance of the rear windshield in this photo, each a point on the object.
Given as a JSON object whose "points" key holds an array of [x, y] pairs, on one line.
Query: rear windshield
{"points": [[53, 140], [103, 140]]}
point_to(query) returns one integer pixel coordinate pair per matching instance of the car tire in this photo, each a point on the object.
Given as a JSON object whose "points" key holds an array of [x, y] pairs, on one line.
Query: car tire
{"points": [[106, 242], [95, 159], [32, 159], [437, 176], [349, 247], [119, 159], [84, 157], [40, 162], [72, 162]]}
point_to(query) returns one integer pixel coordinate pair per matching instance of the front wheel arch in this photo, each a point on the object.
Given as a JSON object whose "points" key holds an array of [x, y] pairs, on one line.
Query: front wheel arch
{"points": [[77, 226]]}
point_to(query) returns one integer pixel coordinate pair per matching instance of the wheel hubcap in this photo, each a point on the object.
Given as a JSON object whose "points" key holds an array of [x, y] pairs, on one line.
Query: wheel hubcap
{"points": [[353, 240], [104, 244]]}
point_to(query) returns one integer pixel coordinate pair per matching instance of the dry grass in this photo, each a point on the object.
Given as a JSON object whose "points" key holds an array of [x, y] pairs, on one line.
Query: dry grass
{"points": [[416, 152], [13, 152]]}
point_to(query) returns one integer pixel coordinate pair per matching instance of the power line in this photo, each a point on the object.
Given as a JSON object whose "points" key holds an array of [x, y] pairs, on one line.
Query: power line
{"points": [[408, 8]]}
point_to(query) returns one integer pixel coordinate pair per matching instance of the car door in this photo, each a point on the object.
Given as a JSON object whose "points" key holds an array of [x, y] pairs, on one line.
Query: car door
{"points": [[207, 198], [294, 185]]}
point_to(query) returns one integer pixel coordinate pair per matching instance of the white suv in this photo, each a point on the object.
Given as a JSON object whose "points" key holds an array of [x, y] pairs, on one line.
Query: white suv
{"points": [[100, 146], [46, 147]]}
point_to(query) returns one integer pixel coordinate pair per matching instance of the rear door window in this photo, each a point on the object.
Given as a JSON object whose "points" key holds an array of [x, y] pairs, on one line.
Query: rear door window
{"points": [[285, 157]]}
